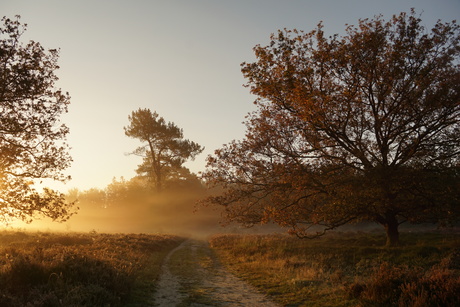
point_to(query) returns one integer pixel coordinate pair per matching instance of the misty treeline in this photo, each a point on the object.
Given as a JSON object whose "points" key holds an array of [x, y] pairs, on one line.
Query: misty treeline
{"points": [[121, 191], [163, 194], [134, 206]]}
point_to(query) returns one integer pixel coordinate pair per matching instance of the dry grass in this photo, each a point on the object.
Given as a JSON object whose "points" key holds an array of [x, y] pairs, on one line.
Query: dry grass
{"points": [[45, 269], [347, 269]]}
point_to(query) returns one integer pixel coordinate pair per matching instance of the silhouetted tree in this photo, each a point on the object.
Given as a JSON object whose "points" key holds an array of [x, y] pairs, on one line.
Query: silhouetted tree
{"points": [[360, 127], [164, 151], [32, 140]]}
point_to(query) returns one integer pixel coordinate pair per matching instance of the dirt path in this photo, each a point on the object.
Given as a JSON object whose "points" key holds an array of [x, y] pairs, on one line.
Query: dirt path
{"points": [[193, 276]]}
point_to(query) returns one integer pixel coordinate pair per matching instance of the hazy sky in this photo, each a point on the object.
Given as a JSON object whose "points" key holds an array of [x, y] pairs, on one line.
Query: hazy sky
{"points": [[178, 58]]}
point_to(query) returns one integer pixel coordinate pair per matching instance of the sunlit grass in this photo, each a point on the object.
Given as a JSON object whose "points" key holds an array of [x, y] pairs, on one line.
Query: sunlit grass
{"points": [[46, 269], [347, 269]]}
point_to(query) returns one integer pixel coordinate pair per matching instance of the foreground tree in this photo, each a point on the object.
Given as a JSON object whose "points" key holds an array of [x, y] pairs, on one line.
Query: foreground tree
{"points": [[360, 127], [32, 140], [164, 150]]}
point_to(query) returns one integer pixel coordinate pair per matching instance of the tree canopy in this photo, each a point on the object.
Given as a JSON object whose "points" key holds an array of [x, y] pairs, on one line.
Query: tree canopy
{"points": [[32, 139], [360, 127], [164, 148]]}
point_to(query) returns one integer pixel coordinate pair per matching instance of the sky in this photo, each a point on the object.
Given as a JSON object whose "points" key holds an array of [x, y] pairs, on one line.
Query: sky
{"points": [[180, 58]]}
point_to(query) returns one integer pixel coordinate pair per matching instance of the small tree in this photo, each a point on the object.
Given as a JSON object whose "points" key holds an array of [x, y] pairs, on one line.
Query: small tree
{"points": [[164, 150], [360, 127], [32, 139]]}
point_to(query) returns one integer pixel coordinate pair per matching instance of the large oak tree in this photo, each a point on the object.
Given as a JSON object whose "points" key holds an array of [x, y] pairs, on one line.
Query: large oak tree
{"points": [[364, 126], [164, 149], [32, 139]]}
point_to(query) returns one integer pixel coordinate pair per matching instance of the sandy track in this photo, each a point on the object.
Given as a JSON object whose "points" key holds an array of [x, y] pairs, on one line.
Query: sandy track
{"points": [[193, 276]]}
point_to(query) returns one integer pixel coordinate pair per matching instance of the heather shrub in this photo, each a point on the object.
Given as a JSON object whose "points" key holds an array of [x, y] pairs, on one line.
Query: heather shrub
{"points": [[76, 269], [393, 285], [347, 269], [384, 285], [439, 286]]}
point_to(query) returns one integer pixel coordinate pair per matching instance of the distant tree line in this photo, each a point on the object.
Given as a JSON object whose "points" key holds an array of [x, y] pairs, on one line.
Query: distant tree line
{"points": [[121, 192]]}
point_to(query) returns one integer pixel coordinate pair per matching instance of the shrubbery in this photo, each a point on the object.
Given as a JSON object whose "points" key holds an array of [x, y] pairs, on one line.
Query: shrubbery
{"points": [[393, 285], [347, 269], [75, 269]]}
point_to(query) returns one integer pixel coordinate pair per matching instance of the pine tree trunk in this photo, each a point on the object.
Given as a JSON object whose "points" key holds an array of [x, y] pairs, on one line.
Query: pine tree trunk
{"points": [[158, 182], [158, 177]]}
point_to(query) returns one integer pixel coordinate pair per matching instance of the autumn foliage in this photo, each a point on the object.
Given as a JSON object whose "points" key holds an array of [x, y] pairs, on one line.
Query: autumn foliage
{"points": [[348, 128]]}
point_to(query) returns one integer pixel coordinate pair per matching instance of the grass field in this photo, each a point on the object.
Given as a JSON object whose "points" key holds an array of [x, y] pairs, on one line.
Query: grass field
{"points": [[339, 269], [53, 269], [347, 269]]}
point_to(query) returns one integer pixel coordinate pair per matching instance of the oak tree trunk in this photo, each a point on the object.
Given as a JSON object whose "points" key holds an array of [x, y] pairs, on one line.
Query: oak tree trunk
{"points": [[391, 227]]}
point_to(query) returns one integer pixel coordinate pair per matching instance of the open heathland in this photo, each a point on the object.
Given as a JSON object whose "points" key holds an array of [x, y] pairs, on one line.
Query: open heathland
{"points": [[347, 269], [76, 269]]}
